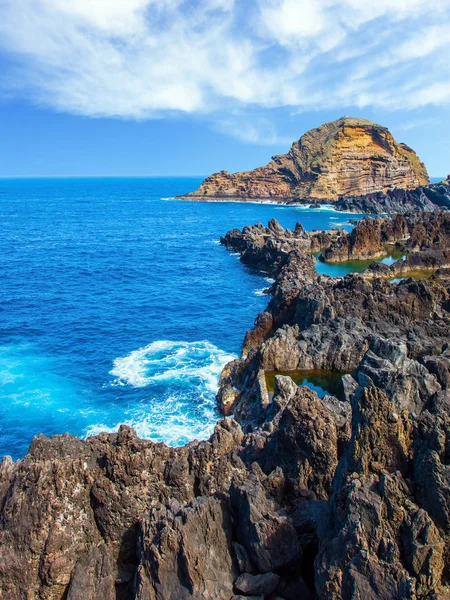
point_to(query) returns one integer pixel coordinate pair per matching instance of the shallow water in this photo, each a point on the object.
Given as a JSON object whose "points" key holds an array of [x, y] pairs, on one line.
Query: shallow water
{"points": [[355, 266], [119, 305], [321, 381]]}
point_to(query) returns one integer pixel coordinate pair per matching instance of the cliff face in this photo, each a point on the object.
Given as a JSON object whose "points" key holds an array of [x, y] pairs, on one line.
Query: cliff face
{"points": [[344, 158], [435, 196]]}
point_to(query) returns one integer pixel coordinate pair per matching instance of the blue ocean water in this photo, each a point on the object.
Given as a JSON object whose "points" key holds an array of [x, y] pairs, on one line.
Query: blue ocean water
{"points": [[118, 305]]}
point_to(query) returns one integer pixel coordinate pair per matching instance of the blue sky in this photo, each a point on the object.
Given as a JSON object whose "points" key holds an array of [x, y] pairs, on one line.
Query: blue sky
{"points": [[181, 87]]}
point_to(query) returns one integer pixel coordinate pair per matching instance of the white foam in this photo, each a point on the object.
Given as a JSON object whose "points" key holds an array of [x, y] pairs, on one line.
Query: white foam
{"points": [[174, 429], [182, 406], [171, 362], [322, 207]]}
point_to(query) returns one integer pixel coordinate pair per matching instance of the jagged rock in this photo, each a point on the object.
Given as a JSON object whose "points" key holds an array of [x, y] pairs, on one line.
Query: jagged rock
{"points": [[424, 198], [367, 239], [243, 560], [345, 157], [307, 519], [260, 332], [425, 262], [424, 550], [71, 507], [330, 324], [267, 534], [306, 442], [348, 387], [268, 248], [406, 381], [296, 496], [373, 519], [431, 466], [186, 552], [440, 367], [256, 584], [410, 232], [94, 576]]}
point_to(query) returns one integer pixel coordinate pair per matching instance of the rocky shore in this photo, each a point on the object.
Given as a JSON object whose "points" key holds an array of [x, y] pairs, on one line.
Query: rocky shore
{"points": [[431, 197], [294, 496], [269, 248]]}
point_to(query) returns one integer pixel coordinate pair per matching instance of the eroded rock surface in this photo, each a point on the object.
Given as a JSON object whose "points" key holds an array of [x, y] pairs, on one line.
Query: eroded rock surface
{"points": [[412, 232], [431, 197], [343, 158]]}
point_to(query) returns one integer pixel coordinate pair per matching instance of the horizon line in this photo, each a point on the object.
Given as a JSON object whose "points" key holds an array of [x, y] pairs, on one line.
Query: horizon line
{"points": [[96, 176], [9, 177]]}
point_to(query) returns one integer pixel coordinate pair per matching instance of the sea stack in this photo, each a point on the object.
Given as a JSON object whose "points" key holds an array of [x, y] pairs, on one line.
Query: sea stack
{"points": [[347, 157]]}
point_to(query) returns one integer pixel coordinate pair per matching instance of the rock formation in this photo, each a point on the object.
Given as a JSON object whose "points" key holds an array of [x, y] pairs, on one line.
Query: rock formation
{"points": [[294, 496], [373, 238], [267, 248], [430, 197], [347, 157]]}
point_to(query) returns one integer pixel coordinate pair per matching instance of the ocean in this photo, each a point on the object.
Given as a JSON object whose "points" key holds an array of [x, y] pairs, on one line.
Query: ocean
{"points": [[119, 305]]}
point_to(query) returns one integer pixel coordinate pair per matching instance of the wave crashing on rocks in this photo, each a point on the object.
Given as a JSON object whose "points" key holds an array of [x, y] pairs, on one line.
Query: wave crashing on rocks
{"points": [[187, 374]]}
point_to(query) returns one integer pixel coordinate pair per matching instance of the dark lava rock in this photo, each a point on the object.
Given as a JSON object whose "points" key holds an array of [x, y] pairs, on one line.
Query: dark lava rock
{"points": [[435, 196], [256, 584]]}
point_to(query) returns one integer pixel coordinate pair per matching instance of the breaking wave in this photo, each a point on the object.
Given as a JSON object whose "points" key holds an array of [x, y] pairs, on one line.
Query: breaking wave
{"points": [[176, 383]]}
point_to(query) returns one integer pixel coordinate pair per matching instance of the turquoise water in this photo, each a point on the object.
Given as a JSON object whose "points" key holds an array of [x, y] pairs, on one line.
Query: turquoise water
{"points": [[351, 266], [119, 305]]}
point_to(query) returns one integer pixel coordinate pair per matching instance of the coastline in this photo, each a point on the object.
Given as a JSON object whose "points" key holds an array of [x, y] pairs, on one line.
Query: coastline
{"points": [[431, 197], [256, 509], [306, 205]]}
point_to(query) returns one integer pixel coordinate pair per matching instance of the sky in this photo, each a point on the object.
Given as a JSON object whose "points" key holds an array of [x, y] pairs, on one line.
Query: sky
{"points": [[190, 87]]}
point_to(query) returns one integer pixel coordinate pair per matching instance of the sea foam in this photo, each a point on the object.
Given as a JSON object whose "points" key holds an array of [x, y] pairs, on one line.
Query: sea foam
{"points": [[177, 384], [198, 363]]}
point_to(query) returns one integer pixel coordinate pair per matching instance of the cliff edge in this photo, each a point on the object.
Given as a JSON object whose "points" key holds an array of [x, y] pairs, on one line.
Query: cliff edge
{"points": [[347, 157]]}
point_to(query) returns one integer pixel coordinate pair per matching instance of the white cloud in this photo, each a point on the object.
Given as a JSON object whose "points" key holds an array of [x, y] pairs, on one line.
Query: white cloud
{"points": [[291, 21], [144, 58], [252, 129], [415, 124]]}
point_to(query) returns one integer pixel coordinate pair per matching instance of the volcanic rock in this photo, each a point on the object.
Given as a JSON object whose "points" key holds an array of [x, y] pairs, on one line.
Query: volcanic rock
{"points": [[431, 197], [256, 584], [346, 157]]}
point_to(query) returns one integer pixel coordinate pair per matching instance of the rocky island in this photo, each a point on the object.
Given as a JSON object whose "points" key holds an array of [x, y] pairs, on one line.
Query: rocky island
{"points": [[296, 495], [347, 157]]}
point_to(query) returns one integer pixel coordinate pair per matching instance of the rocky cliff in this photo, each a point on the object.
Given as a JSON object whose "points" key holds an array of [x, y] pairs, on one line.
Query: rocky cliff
{"points": [[294, 497], [435, 196], [347, 157], [373, 238]]}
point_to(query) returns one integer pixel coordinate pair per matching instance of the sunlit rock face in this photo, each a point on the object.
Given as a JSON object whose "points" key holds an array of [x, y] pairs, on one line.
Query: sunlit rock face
{"points": [[346, 157]]}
